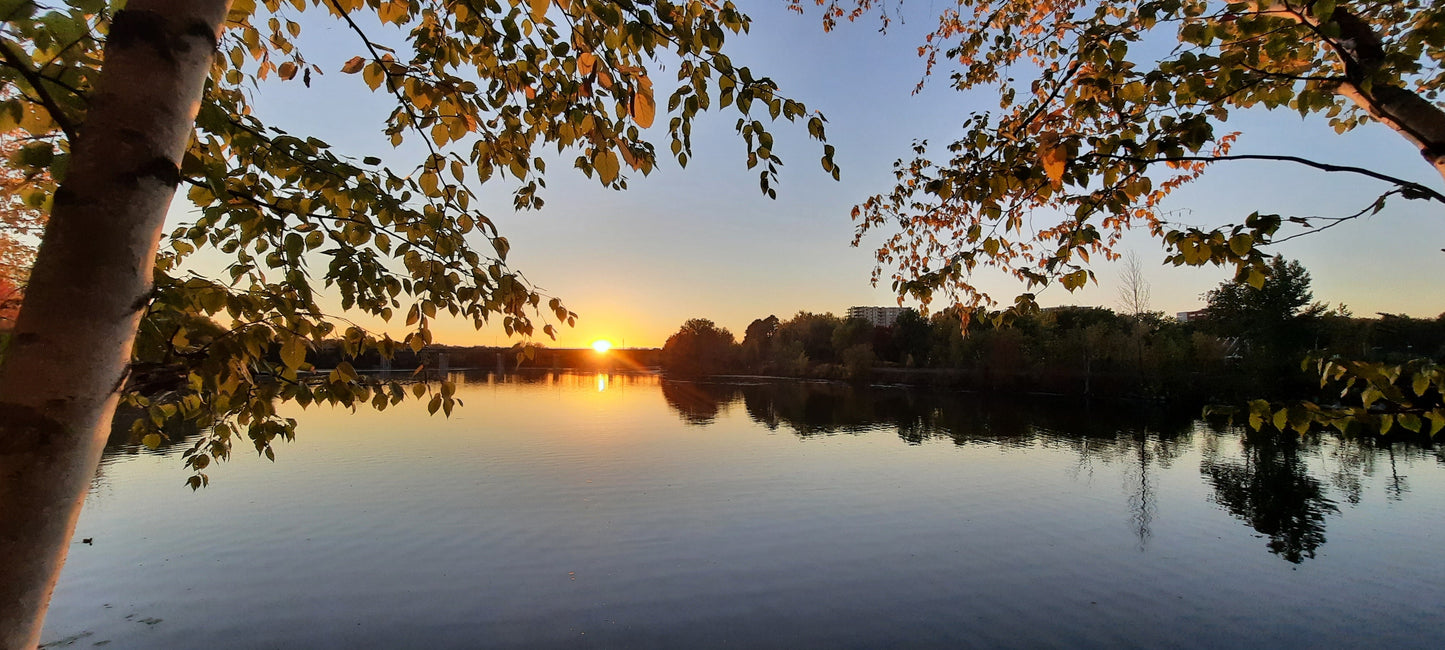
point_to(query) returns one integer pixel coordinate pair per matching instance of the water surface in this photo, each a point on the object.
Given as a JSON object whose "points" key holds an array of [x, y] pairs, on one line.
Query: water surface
{"points": [[626, 511]]}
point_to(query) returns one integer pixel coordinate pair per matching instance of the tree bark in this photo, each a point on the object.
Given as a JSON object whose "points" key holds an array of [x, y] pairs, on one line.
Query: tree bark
{"points": [[92, 280], [1361, 52]]}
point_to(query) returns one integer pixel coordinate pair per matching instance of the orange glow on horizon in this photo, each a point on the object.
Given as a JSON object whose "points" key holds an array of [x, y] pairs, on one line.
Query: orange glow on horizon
{"points": [[602, 346]]}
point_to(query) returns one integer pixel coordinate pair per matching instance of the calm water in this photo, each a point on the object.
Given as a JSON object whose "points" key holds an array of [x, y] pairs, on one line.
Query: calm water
{"points": [[626, 511]]}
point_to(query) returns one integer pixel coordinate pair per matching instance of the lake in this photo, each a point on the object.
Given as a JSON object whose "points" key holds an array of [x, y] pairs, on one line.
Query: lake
{"points": [[624, 510]]}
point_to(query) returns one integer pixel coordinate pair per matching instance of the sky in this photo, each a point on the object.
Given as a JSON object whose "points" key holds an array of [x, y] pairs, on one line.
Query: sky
{"points": [[702, 242]]}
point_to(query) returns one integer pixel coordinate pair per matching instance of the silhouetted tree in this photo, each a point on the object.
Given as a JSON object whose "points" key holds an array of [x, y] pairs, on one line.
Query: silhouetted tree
{"points": [[850, 333], [700, 347], [911, 338], [1275, 318], [758, 340], [814, 332]]}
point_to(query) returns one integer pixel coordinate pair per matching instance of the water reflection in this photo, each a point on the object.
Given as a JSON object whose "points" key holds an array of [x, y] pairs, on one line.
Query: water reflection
{"points": [[1272, 490], [651, 513], [1266, 481]]}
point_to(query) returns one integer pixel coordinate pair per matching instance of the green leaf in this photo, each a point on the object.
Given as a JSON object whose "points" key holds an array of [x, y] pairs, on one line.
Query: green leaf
{"points": [[1241, 244], [151, 440], [1437, 421], [293, 352]]}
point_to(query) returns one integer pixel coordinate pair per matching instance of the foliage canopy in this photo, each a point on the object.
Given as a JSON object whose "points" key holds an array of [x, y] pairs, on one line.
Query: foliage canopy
{"points": [[1107, 106], [487, 86]]}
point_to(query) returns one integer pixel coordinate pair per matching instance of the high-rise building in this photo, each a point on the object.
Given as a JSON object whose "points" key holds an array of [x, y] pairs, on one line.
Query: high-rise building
{"points": [[879, 316]]}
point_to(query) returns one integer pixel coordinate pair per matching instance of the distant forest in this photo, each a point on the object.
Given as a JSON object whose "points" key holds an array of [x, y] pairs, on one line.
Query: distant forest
{"points": [[1248, 342]]}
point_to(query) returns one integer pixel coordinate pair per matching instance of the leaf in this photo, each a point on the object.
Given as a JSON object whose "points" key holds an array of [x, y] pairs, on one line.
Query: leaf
{"points": [[1370, 395], [1241, 244], [1437, 421], [643, 108], [1052, 157], [393, 11], [607, 166], [293, 352], [151, 440], [539, 10], [353, 65], [586, 62], [240, 10]]}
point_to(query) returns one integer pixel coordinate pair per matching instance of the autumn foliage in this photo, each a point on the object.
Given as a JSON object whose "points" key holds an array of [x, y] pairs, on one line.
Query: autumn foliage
{"points": [[21, 224]]}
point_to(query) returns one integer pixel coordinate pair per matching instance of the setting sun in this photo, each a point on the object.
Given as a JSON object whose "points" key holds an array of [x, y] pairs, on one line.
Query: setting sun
{"points": [[602, 345]]}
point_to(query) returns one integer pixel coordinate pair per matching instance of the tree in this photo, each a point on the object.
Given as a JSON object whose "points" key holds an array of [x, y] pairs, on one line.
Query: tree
{"points": [[122, 102], [1108, 106], [758, 339], [1274, 317], [1100, 120], [699, 347], [911, 338], [761, 331], [813, 332], [1134, 288], [851, 332]]}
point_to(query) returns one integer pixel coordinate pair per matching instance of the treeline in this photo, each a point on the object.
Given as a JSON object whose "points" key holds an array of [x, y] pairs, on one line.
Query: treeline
{"points": [[1250, 342]]}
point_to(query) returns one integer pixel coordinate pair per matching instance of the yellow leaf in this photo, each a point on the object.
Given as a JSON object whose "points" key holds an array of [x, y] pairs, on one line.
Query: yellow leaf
{"points": [[585, 63], [373, 75], [293, 352], [392, 12], [539, 10], [1053, 158], [151, 440], [1241, 243], [643, 106], [607, 167], [240, 10]]}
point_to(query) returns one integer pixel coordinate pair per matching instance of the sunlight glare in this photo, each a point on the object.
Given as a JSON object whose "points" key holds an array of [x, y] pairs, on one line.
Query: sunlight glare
{"points": [[602, 346]]}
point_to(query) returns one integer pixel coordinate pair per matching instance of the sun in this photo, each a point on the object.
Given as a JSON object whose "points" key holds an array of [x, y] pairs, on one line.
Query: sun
{"points": [[601, 345]]}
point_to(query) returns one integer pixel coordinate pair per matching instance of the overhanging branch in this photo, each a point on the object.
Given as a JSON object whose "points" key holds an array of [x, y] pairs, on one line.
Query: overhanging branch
{"points": [[1412, 190]]}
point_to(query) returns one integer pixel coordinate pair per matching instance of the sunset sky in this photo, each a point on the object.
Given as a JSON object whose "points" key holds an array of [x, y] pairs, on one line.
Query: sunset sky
{"points": [[703, 242]]}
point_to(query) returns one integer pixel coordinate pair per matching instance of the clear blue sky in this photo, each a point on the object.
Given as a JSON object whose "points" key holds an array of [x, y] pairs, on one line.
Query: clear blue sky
{"points": [[703, 242]]}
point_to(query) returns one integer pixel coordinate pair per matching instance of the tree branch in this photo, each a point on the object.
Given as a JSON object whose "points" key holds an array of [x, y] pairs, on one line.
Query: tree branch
{"points": [[1410, 189], [13, 59]]}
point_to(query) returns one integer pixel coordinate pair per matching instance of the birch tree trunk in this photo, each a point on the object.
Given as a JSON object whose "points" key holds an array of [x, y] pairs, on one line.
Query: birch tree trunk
{"points": [[68, 359], [1361, 52]]}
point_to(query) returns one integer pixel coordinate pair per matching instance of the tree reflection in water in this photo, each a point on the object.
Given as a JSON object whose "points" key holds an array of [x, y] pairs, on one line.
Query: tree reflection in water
{"points": [[1271, 490], [1269, 485]]}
